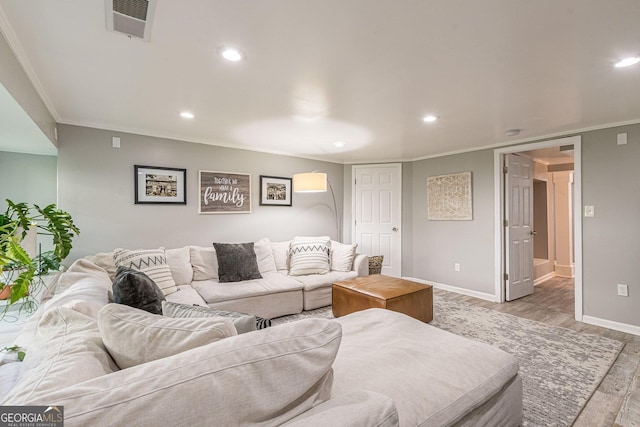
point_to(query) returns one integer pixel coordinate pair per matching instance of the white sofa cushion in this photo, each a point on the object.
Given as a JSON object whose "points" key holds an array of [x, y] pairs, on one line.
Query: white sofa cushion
{"points": [[342, 256], [213, 292], [450, 374], [179, 261], [264, 256], [309, 255], [186, 295], [152, 262], [67, 350], [204, 262], [104, 260], [135, 336], [261, 379], [281, 255], [314, 281]]}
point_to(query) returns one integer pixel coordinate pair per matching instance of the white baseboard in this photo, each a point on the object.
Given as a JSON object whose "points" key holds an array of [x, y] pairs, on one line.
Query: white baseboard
{"points": [[565, 271], [450, 288], [610, 324], [543, 278]]}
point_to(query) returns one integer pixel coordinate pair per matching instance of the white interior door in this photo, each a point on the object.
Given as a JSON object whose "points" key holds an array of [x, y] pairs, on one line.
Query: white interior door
{"points": [[519, 226], [377, 217]]}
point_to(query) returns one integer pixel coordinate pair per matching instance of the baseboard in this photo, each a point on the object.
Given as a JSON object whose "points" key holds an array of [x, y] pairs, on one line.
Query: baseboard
{"points": [[543, 278], [450, 288], [565, 271], [610, 324]]}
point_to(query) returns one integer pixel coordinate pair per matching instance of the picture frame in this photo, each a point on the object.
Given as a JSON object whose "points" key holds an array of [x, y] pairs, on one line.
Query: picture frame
{"points": [[224, 192], [160, 185], [450, 197], [275, 191]]}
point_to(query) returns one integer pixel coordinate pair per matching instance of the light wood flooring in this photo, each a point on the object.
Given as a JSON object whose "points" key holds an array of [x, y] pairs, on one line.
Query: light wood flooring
{"points": [[616, 402]]}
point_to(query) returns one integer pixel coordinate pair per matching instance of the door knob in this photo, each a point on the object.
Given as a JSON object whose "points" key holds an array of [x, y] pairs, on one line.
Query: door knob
{"points": [[533, 233], [395, 228]]}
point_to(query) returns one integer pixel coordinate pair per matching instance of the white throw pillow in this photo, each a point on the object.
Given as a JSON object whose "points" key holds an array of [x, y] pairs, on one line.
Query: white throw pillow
{"points": [[104, 260], [204, 262], [152, 262], [264, 256], [281, 255], [309, 255], [179, 261], [342, 256], [135, 336]]}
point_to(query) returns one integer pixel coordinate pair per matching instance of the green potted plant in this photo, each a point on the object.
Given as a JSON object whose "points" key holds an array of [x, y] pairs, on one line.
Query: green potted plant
{"points": [[22, 272]]}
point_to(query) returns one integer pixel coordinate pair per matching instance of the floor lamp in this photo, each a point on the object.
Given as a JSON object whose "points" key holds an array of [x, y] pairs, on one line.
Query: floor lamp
{"points": [[316, 182]]}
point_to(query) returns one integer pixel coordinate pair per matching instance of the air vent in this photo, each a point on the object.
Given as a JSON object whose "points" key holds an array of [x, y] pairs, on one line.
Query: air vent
{"points": [[130, 17]]}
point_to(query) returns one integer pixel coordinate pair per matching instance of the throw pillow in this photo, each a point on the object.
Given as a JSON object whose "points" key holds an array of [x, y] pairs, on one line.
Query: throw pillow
{"points": [[179, 262], [342, 256], [204, 262], [136, 289], [264, 256], [236, 262], [133, 336], [309, 256], [152, 262], [242, 322], [281, 255]]}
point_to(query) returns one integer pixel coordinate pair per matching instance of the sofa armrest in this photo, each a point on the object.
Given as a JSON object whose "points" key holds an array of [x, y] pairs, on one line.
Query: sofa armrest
{"points": [[359, 408], [361, 264]]}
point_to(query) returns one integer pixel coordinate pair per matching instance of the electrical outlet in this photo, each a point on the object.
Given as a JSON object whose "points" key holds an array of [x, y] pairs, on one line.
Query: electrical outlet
{"points": [[589, 211], [115, 142], [456, 266], [623, 290]]}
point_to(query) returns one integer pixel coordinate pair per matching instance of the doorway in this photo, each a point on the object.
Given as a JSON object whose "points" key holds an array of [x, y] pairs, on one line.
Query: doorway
{"points": [[557, 247]]}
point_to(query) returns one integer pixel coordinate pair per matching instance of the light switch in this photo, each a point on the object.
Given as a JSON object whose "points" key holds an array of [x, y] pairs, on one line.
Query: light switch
{"points": [[115, 141], [622, 139], [589, 211]]}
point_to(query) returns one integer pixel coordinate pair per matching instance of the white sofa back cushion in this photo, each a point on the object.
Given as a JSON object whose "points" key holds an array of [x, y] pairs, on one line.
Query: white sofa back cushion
{"points": [[179, 261], [264, 256], [67, 350], [282, 372], [281, 255], [135, 336], [342, 256], [204, 262]]}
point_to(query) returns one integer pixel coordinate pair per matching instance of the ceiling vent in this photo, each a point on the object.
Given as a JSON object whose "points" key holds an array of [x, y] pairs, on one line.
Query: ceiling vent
{"points": [[130, 17]]}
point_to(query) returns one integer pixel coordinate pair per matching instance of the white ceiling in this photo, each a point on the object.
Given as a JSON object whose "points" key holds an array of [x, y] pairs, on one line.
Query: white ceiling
{"points": [[319, 71]]}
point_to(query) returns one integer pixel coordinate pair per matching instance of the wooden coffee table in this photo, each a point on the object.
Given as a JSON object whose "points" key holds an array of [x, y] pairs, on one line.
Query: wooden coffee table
{"points": [[378, 291]]}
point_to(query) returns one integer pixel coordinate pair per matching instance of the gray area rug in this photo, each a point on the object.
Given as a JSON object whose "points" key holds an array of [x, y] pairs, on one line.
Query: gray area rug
{"points": [[560, 368]]}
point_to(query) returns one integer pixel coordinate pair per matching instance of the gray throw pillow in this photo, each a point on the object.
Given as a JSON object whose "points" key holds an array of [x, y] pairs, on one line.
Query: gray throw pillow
{"points": [[136, 289], [236, 262], [242, 322]]}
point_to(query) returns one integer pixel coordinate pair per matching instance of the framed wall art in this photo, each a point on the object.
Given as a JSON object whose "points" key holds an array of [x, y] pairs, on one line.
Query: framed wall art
{"points": [[160, 185], [449, 197], [224, 192], [275, 191]]}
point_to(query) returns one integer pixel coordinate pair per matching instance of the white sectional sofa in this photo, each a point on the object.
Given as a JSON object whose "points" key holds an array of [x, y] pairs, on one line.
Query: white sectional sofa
{"points": [[370, 368], [195, 272]]}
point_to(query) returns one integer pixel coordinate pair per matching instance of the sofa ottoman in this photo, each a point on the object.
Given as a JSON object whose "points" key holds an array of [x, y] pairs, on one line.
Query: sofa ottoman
{"points": [[378, 291]]}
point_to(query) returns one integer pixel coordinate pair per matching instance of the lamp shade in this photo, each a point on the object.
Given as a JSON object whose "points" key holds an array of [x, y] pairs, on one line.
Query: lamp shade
{"points": [[312, 182]]}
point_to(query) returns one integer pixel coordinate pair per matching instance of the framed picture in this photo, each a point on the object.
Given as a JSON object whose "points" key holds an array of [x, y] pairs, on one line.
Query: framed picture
{"points": [[154, 184], [224, 192], [449, 197], [275, 191]]}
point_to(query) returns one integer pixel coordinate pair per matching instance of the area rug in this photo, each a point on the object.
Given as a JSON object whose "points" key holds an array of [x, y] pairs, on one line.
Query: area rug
{"points": [[560, 368]]}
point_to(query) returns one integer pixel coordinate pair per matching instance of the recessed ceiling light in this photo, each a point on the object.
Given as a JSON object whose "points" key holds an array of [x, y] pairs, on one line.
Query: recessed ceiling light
{"points": [[513, 132], [339, 144], [186, 115], [430, 118], [627, 62], [231, 54]]}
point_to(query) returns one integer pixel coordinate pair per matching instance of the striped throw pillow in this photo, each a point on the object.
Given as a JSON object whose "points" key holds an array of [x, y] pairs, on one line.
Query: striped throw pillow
{"points": [[152, 262], [309, 256]]}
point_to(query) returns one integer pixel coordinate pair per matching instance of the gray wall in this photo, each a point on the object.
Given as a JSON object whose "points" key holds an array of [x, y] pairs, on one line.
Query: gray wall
{"points": [[611, 239], [437, 245], [96, 187], [27, 178], [14, 79]]}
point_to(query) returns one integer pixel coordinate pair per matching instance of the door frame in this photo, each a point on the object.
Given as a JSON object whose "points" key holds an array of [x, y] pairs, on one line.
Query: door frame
{"points": [[353, 201], [498, 161]]}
